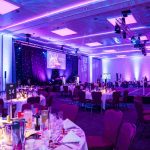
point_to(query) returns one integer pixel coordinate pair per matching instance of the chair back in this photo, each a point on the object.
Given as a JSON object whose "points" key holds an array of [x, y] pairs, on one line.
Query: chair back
{"points": [[96, 97], [1, 102], [30, 100], [44, 93], [125, 95], [139, 107], [65, 89], [26, 107], [81, 96], [126, 135], [37, 99], [112, 123], [116, 96], [49, 101], [76, 92], [69, 111]]}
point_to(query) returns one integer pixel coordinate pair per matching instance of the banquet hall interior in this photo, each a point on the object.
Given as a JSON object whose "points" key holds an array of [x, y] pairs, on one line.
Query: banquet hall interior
{"points": [[75, 74]]}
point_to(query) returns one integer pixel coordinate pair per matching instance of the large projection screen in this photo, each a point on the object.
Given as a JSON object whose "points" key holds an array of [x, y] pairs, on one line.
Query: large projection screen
{"points": [[56, 60]]}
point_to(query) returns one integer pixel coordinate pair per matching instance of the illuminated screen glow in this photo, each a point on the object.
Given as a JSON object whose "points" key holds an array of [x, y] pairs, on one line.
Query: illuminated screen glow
{"points": [[56, 60]]}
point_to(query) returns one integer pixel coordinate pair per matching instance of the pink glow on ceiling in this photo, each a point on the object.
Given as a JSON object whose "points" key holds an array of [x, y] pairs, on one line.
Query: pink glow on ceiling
{"points": [[129, 20], [93, 44], [58, 11], [121, 56], [6, 7], [143, 37], [64, 32], [109, 51]]}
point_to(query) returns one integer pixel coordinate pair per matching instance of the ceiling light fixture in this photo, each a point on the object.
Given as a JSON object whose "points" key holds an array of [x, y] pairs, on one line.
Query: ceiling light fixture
{"points": [[6, 7], [51, 13], [64, 32]]}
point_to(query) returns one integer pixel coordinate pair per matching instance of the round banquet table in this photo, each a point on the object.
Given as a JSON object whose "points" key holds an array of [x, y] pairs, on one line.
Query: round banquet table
{"points": [[104, 98], [42, 144], [19, 102]]}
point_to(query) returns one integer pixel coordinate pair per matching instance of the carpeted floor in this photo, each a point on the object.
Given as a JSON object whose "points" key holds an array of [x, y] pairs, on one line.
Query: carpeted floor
{"points": [[92, 123]]}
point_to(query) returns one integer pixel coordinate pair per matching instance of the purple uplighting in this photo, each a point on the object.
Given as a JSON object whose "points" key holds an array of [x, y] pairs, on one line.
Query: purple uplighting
{"points": [[74, 74]]}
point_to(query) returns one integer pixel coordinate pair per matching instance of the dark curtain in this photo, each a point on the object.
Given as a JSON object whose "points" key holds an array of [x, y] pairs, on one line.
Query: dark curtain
{"points": [[71, 67], [30, 64]]}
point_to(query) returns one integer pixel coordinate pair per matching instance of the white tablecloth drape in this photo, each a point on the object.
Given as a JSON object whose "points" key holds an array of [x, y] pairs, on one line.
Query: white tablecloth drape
{"points": [[104, 98]]}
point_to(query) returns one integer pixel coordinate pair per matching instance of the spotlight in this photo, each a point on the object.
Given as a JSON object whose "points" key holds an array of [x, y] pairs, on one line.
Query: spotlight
{"points": [[19, 48], [125, 13], [27, 37], [76, 50], [124, 34], [117, 29]]}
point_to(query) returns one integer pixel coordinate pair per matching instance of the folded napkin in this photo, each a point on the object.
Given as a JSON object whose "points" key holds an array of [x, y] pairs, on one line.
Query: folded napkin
{"points": [[68, 124], [71, 137]]}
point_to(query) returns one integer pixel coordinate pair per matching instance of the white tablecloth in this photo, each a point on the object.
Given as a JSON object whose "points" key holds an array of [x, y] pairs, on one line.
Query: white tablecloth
{"points": [[76, 130], [105, 96], [70, 88]]}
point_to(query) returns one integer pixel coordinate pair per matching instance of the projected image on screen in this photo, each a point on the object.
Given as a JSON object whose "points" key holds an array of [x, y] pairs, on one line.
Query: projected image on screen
{"points": [[56, 60]]}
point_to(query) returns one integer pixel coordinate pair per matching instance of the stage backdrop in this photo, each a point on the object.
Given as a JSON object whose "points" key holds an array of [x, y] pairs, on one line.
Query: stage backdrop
{"points": [[31, 63]]}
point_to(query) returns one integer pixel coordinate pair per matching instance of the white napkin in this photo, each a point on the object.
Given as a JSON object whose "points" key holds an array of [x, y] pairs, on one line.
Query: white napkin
{"points": [[71, 137], [68, 124]]}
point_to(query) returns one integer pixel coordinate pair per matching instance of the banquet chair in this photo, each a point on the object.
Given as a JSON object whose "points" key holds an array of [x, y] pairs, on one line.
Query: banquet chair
{"points": [[143, 117], [123, 100], [26, 106], [112, 123], [65, 91], [31, 100], [49, 101], [82, 100], [75, 96], [96, 100], [44, 93], [1, 102], [126, 136], [37, 99], [115, 100], [140, 100], [69, 111]]}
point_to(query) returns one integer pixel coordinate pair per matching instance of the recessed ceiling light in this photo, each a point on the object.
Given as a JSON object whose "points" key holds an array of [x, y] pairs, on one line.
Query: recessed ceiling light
{"points": [[109, 51], [129, 20], [148, 47], [64, 32], [143, 37], [6, 7], [93, 44], [121, 56]]}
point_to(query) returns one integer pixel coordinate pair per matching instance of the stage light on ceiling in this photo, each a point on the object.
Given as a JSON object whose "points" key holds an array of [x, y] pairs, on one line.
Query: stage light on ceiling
{"points": [[129, 20], [64, 32], [121, 56], [93, 44], [6, 7]]}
